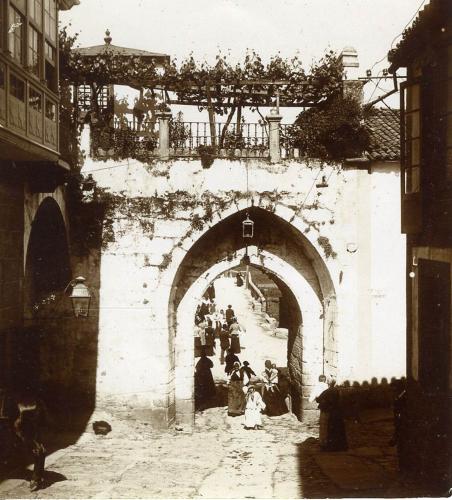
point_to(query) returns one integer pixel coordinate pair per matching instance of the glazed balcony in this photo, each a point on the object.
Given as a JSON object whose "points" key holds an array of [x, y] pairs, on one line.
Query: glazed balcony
{"points": [[28, 117]]}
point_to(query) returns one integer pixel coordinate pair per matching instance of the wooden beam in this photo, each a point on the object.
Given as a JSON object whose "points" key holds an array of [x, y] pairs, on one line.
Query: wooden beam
{"points": [[245, 104]]}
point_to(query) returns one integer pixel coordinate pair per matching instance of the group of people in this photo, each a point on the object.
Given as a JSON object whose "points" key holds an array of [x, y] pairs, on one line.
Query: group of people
{"points": [[244, 398], [212, 324]]}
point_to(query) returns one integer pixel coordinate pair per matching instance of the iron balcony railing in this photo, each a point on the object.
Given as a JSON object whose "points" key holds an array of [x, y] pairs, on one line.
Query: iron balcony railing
{"points": [[246, 140]]}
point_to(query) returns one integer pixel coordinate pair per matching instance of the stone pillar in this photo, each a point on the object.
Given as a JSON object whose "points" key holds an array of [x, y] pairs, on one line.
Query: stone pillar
{"points": [[274, 120], [164, 138]]}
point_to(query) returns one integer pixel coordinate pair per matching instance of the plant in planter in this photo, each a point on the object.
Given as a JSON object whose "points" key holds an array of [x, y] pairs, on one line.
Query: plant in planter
{"points": [[207, 154]]}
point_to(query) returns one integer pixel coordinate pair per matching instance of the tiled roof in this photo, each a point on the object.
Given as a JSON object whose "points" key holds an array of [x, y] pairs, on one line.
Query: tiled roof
{"points": [[120, 51], [384, 126], [67, 4], [429, 25]]}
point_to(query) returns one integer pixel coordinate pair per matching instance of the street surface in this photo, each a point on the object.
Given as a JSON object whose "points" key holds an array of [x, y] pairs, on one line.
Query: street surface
{"points": [[258, 342], [221, 459]]}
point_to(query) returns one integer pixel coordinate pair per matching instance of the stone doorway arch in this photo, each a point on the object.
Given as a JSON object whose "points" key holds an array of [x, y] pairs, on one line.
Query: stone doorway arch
{"points": [[47, 273], [281, 249]]}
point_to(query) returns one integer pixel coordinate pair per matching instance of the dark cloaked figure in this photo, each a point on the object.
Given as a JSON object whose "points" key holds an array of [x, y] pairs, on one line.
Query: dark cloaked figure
{"points": [[399, 409], [210, 339], [204, 383], [273, 399], [330, 403], [234, 330], [236, 396], [28, 427], [230, 359], [246, 372], [224, 342], [203, 309], [230, 315]]}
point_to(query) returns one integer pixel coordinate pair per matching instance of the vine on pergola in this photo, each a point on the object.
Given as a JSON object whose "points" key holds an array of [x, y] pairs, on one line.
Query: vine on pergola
{"points": [[223, 88]]}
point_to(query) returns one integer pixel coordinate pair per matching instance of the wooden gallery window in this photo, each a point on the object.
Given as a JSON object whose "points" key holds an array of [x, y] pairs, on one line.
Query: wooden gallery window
{"points": [[35, 12], [84, 97], [17, 88], [50, 110], [16, 33], [50, 20], [411, 138], [34, 51], [2, 24], [2, 92], [35, 100]]}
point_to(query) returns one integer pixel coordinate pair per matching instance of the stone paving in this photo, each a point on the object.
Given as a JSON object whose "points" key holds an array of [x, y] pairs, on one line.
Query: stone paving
{"points": [[221, 459]]}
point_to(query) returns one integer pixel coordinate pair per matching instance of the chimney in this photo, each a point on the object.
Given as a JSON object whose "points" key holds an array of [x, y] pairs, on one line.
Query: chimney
{"points": [[352, 85]]}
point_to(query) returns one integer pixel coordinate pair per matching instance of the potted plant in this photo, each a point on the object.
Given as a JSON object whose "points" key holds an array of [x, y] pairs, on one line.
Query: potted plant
{"points": [[207, 154]]}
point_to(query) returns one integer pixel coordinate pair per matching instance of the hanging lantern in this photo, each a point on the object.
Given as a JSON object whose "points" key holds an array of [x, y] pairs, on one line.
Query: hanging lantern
{"points": [[80, 298], [248, 227]]}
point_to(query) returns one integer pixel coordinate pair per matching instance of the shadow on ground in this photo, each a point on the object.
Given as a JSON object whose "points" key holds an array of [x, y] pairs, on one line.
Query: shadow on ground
{"points": [[368, 469]]}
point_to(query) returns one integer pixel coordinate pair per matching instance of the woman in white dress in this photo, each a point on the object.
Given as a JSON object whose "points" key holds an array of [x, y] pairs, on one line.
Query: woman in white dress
{"points": [[253, 407]]}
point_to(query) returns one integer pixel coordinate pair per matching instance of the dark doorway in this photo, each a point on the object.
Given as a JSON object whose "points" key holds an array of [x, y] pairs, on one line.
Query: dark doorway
{"points": [[434, 324]]}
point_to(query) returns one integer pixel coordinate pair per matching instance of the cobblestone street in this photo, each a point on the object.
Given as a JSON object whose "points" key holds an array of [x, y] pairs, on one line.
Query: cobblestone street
{"points": [[221, 460]]}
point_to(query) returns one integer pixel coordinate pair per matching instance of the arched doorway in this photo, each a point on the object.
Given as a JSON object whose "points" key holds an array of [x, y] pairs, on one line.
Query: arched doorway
{"points": [[282, 250], [47, 273]]}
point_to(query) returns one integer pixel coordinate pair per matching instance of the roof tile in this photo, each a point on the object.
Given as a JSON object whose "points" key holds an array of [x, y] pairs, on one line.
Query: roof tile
{"points": [[384, 127]]}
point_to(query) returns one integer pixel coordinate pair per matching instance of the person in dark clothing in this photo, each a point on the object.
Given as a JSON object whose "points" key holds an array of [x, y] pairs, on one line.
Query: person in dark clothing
{"points": [[330, 403], [274, 401], [236, 396], [204, 383], [246, 372], [230, 359], [399, 407], [204, 309], [210, 339], [224, 342], [28, 427], [230, 315], [234, 331]]}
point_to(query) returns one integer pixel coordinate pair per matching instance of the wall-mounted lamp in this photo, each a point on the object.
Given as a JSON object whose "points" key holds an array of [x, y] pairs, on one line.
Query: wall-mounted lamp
{"points": [[80, 297], [352, 247]]}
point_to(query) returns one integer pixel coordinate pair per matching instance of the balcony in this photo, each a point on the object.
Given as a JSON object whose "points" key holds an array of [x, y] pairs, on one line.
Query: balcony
{"points": [[165, 138], [28, 117]]}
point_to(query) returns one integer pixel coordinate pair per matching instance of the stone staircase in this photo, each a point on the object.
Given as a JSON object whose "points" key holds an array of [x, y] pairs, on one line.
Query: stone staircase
{"points": [[266, 322]]}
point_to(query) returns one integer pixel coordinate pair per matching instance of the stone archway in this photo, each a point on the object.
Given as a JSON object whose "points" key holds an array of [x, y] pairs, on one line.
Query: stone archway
{"points": [[47, 273], [279, 248], [47, 266]]}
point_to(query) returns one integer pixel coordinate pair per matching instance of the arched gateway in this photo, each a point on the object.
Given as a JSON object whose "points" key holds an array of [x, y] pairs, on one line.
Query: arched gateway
{"points": [[278, 247]]}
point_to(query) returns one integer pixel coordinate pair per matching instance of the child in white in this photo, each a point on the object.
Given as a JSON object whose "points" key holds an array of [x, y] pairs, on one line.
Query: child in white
{"points": [[254, 406]]}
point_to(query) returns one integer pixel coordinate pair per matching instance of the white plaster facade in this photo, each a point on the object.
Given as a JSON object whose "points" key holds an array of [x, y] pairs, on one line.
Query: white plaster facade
{"points": [[145, 353]]}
